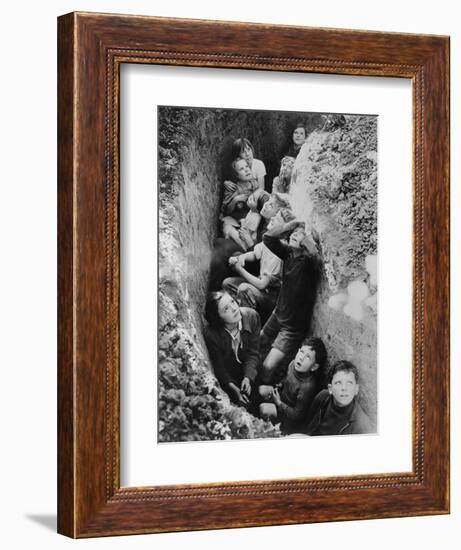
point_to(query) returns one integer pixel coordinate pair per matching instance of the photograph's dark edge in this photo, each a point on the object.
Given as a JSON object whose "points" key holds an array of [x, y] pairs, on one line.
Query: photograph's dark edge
{"points": [[90, 502]]}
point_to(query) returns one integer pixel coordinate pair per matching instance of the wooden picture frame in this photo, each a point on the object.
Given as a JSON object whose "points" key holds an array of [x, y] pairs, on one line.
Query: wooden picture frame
{"points": [[92, 48]]}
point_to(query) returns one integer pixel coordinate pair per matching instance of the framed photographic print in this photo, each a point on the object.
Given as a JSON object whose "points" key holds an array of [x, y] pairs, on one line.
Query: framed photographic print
{"points": [[253, 275]]}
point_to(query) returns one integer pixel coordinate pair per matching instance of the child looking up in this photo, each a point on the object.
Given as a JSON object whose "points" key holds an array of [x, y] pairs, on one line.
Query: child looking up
{"points": [[290, 405], [289, 323], [235, 201], [336, 411], [281, 183], [242, 148]]}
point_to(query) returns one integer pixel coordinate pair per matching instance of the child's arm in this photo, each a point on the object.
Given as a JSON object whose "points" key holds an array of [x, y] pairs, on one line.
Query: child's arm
{"points": [[246, 235], [276, 186], [272, 237], [243, 258], [261, 283], [275, 245], [252, 201], [230, 232], [230, 191], [230, 186], [230, 202], [260, 180], [301, 408]]}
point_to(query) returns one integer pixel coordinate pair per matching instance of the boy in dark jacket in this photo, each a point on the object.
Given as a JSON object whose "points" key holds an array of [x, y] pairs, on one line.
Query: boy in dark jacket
{"points": [[289, 323], [291, 404], [336, 411]]}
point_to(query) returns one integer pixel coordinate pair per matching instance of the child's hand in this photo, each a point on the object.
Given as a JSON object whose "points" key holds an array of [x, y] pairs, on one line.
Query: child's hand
{"points": [[241, 198], [252, 202], [230, 186], [245, 235], [239, 397], [234, 260], [245, 388], [276, 397], [293, 224]]}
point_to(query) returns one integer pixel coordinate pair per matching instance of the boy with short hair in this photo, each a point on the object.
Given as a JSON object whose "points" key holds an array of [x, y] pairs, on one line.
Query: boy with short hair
{"points": [[291, 404], [336, 411], [289, 322]]}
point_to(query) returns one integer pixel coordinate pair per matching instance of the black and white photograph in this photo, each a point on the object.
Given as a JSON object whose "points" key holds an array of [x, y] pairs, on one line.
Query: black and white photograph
{"points": [[267, 271], [200, 202]]}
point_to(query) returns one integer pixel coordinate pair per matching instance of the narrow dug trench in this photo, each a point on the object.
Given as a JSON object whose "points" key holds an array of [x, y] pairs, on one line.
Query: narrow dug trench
{"points": [[332, 185]]}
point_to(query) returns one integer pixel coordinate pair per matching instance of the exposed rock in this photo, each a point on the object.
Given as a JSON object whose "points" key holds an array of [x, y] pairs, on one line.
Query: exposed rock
{"points": [[334, 190]]}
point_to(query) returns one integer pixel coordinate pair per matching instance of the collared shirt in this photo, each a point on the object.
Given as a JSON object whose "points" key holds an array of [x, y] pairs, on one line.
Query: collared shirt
{"points": [[270, 265], [236, 340]]}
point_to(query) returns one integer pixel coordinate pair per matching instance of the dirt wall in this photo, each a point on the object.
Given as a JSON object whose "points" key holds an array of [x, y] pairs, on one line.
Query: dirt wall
{"points": [[334, 189]]}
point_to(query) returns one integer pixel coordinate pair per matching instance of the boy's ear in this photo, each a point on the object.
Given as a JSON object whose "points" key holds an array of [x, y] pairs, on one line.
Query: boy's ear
{"points": [[329, 389], [315, 367]]}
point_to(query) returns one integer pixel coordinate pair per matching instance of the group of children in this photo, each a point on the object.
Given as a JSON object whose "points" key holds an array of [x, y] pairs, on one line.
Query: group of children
{"points": [[267, 314]]}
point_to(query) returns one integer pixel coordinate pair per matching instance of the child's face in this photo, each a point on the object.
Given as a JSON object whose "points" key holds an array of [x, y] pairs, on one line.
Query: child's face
{"points": [[286, 168], [299, 136], [275, 221], [270, 209], [247, 154], [297, 237], [343, 388], [305, 360], [229, 310], [243, 170]]}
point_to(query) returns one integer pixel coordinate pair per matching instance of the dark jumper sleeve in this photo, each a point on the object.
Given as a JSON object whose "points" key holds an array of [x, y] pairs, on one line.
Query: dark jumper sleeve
{"points": [[319, 401], [301, 408], [214, 346], [276, 246]]}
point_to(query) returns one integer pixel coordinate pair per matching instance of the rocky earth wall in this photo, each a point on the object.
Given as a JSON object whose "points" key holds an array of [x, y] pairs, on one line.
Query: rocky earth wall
{"points": [[334, 190]]}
